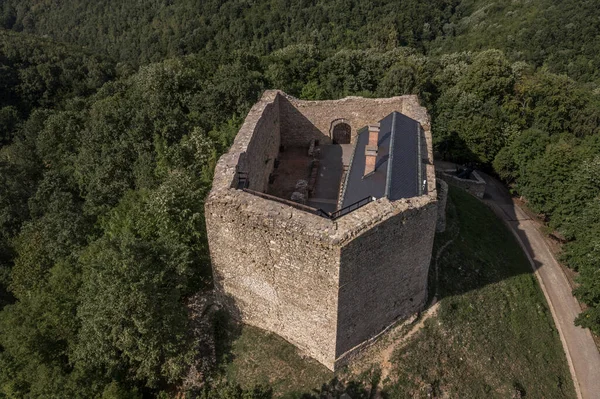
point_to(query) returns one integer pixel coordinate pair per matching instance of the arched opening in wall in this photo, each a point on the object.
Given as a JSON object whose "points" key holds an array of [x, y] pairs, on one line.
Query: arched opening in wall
{"points": [[340, 132]]}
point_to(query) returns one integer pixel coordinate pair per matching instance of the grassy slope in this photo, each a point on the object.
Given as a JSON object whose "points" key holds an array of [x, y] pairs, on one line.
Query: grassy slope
{"points": [[493, 333], [257, 357]]}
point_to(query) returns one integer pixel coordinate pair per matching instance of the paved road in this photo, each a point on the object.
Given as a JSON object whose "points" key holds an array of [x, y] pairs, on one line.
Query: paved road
{"points": [[582, 353]]}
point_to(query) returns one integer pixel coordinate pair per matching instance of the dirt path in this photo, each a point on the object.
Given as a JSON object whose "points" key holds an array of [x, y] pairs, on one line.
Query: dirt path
{"points": [[582, 354], [387, 352]]}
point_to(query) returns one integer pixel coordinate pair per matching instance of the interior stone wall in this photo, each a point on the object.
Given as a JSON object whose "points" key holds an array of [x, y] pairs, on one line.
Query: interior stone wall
{"points": [[261, 129], [297, 129], [302, 120]]}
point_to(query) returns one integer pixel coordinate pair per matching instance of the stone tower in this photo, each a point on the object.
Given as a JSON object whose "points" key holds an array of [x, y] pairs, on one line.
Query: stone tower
{"points": [[321, 219]]}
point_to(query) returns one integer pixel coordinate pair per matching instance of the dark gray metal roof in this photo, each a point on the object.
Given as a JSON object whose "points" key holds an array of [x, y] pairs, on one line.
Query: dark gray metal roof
{"points": [[399, 170]]}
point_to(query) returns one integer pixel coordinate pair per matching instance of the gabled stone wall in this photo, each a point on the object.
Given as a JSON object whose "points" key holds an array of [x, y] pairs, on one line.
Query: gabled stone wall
{"points": [[302, 121]]}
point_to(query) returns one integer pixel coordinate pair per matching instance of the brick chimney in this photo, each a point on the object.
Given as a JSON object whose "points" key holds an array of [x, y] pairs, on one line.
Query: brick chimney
{"points": [[371, 149]]}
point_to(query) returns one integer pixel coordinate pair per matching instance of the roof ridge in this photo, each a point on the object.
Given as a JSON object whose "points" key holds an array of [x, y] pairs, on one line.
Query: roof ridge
{"points": [[347, 177], [388, 177]]}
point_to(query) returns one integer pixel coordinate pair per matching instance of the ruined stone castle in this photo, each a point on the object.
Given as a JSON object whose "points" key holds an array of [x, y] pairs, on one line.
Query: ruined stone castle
{"points": [[321, 219]]}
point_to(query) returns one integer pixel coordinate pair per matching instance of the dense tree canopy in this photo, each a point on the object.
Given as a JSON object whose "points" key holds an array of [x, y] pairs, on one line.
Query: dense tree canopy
{"points": [[104, 229], [140, 31], [559, 34], [108, 144]]}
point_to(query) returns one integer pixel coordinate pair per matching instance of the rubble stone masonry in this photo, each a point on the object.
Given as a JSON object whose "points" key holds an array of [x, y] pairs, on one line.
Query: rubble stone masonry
{"points": [[327, 286], [303, 121], [474, 186]]}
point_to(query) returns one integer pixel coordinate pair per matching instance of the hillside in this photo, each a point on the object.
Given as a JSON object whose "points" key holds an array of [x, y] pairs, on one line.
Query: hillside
{"points": [[560, 34], [491, 337], [142, 32]]}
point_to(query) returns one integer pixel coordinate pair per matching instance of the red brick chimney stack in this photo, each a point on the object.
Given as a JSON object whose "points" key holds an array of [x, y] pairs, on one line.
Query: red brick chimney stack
{"points": [[371, 150]]}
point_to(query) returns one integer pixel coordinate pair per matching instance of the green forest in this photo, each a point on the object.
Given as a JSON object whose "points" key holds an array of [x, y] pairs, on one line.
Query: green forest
{"points": [[113, 115]]}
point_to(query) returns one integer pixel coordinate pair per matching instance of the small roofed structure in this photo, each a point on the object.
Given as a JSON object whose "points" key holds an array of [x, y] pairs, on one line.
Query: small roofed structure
{"points": [[386, 161]]}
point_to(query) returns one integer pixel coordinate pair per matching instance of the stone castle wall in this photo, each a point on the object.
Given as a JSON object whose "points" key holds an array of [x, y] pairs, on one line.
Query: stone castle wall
{"points": [[302, 120], [474, 186], [282, 276], [442, 189], [383, 275], [265, 255], [326, 286]]}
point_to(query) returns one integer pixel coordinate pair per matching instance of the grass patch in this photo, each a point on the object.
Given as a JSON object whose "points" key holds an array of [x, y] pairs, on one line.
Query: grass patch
{"points": [[257, 357], [493, 335]]}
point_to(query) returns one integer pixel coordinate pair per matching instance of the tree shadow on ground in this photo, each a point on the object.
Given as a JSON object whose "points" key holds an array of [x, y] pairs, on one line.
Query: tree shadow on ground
{"points": [[227, 327], [454, 149], [476, 249]]}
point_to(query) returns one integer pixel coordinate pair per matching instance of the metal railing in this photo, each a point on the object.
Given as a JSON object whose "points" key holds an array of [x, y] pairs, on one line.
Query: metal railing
{"points": [[243, 183], [284, 201], [352, 207]]}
